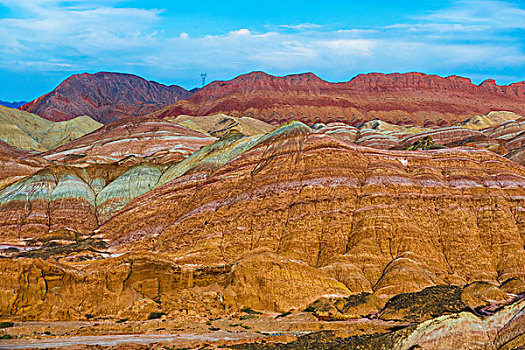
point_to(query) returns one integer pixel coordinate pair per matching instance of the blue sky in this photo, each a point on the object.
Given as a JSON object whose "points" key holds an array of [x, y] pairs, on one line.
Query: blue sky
{"points": [[45, 41]]}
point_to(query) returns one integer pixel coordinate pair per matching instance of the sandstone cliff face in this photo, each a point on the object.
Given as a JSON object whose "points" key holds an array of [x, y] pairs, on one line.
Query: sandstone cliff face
{"points": [[105, 97], [128, 286], [134, 285], [401, 221], [411, 98], [297, 213]]}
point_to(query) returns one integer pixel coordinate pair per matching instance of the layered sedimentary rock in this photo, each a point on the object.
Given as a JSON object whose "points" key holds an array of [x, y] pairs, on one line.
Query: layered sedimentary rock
{"points": [[130, 286], [105, 97], [30, 132], [442, 136], [408, 99], [102, 178], [134, 285], [16, 164], [491, 119], [401, 221], [54, 198], [135, 136], [376, 139], [463, 331], [221, 124], [297, 212]]}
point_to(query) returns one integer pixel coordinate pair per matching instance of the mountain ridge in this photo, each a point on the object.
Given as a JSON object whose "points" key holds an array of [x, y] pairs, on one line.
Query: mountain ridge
{"points": [[399, 98], [13, 104], [105, 96]]}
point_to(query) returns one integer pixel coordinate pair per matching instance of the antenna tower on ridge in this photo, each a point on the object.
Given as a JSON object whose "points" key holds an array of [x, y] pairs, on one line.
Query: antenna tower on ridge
{"points": [[203, 77]]}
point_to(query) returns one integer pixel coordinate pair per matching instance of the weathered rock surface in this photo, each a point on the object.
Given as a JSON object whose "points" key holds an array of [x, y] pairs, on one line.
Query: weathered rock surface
{"points": [[129, 286], [478, 294], [441, 136], [410, 99], [322, 201], [338, 308], [296, 213], [135, 136], [480, 122], [30, 132], [463, 331], [105, 97], [421, 306], [220, 125]]}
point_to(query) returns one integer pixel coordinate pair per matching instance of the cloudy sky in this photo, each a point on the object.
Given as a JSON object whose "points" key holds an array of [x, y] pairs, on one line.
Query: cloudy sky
{"points": [[173, 42]]}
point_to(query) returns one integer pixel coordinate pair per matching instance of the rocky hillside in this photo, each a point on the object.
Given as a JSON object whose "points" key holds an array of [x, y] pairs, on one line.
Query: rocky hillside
{"points": [[30, 132], [296, 214], [105, 97], [410, 237], [411, 98]]}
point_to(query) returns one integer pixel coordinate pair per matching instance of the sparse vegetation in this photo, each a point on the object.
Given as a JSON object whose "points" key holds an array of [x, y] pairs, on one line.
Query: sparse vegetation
{"points": [[122, 320], [249, 311], [284, 314], [247, 317], [309, 309], [6, 324], [155, 315]]}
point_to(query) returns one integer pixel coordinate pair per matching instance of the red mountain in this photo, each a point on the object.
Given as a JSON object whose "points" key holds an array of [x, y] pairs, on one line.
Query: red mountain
{"points": [[411, 98], [104, 97]]}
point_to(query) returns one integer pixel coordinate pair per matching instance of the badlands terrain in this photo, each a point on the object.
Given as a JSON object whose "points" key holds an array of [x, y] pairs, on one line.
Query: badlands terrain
{"points": [[386, 212]]}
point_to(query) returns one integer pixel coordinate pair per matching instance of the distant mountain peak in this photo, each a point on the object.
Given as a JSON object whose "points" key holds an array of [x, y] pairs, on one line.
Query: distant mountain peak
{"points": [[14, 104], [105, 96]]}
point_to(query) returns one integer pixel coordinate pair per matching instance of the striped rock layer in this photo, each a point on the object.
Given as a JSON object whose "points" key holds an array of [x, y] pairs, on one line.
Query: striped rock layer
{"points": [[406, 99], [105, 97], [296, 213], [380, 221], [139, 137]]}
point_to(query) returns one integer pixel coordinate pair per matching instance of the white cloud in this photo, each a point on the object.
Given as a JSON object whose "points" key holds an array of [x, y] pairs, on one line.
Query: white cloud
{"points": [[496, 14], [97, 35], [242, 31], [302, 26], [48, 29]]}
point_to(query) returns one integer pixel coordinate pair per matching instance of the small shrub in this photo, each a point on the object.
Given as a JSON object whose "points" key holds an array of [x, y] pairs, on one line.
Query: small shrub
{"points": [[6, 324], [284, 314], [89, 316], [122, 320], [208, 323], [247, 317], [245, 326], [309, 309], [155, 315], [247, 310], [6, 336]]}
